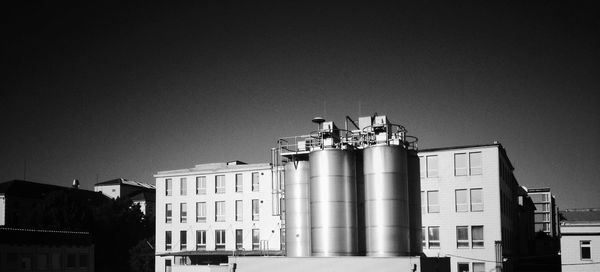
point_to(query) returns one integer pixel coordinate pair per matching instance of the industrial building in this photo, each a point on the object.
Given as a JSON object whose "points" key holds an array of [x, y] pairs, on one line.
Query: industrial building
{"points": [[580, 241], [338, 197]]}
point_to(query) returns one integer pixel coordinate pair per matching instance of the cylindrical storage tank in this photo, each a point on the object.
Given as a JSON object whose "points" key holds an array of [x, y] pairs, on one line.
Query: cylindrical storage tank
{"points": [[333, 203], [297, 208], [386, 201], [414, 200]]}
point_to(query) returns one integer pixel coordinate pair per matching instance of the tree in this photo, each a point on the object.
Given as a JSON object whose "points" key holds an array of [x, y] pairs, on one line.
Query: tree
{"points": [[141, 256]]}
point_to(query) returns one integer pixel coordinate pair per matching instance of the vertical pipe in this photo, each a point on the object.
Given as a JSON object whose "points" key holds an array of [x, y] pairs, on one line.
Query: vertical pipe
{"points": [[414, 198]]}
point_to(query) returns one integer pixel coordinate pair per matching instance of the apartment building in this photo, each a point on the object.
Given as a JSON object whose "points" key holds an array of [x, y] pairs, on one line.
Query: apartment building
{"points": [[471, 204], [211, 211], [546, 211]]}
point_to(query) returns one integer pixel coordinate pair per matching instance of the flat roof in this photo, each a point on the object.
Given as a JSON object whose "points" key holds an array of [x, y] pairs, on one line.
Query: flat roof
{"points": [[208, 168]]}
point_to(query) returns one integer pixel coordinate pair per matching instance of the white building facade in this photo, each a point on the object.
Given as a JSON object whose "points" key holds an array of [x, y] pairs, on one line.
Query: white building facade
{"points": [[580, 240], [469, 200], [215, 209]]}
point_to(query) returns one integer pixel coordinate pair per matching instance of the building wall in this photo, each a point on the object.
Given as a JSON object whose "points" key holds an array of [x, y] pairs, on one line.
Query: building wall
{"points": [[112, 191], [269, 226], [46, 258], [318, 264], [571, 242], [447, 182]]}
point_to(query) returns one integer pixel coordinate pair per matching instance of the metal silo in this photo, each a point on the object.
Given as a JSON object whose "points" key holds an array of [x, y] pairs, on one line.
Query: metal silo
{"points": [[297, 204], [414, 199], [386, 201], [333, 202]]}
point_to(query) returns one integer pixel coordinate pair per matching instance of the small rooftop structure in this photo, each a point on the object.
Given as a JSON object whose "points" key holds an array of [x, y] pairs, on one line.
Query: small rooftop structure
{"points": [[122, 181]]}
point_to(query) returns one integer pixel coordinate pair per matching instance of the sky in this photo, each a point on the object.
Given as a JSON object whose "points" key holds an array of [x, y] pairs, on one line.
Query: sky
{"points": [[97, 91]]}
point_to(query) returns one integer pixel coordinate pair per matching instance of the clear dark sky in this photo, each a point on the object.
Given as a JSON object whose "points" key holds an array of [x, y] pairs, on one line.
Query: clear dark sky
{"points": [[100, 91]]}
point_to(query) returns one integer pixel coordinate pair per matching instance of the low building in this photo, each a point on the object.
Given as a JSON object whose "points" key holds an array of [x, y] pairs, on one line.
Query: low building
{"points": [[45, 250], [19, 197], [580, 241], [140, 193], [211, 211]]}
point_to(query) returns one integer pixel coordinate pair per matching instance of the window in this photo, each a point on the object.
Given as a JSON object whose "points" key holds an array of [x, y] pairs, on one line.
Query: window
{"points": [[477, 236], [255, 182], [168, 212], [432, 166], [434, 237], [423, 203], [424, 237], [239, 239], [433, 204], [475, 163], [71, 260], [200, 212], [183, 186], [422, 166], [183, 212], [255, 239], [460, 164], [542, 217], [220, 239], [542, 207], [201, 185], [183, 239], [476, 200], [83, 261], [220, 184], [220, 211], [168, 187], [42, 261], [255, 210], [200, 240], [478, 267], [462, 204], [168, 240], [462, 237], [239, 183], [463, 267], [239, 210], [168, 266], [586, 250]]}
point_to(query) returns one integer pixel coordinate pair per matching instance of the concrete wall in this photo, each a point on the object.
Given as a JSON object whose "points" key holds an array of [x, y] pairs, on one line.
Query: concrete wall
{"points": [[322, 264]]}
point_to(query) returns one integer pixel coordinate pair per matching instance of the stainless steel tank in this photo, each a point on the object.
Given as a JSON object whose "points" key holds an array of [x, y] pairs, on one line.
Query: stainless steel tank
{"points": [[297, 208], [414, 200], [386, 201], [333, 203]]}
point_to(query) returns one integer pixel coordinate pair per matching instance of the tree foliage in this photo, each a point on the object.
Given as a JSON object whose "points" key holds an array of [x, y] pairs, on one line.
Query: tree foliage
{"points": [[115, 225]]}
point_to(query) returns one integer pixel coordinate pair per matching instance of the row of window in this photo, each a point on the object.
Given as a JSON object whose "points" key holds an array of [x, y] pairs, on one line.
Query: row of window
{"points": [[465, 200], [219, 211], [45, 261], [466, 237], [465, 267], [219, 184], [465, 164], [219, 239]]}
